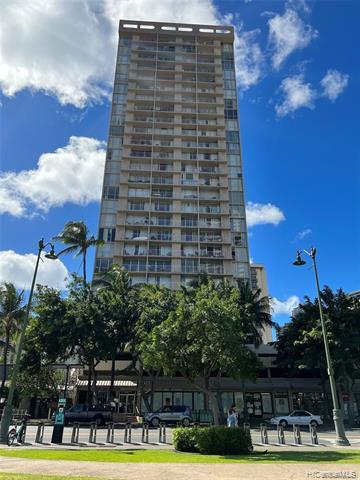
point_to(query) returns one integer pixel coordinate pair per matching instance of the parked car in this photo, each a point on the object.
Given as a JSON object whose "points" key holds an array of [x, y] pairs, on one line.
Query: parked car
{"points": [[82, 412], [170, 414], [297, 417]]}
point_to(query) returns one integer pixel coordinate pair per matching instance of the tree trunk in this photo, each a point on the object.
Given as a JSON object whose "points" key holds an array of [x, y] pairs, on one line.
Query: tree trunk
{"points": [[5, 355], [93, 385], [112, 378], [84, 268], [88, 393]]}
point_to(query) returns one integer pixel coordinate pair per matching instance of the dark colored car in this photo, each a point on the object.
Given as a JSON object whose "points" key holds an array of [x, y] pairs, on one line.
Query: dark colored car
{"points": [[88, 413]]}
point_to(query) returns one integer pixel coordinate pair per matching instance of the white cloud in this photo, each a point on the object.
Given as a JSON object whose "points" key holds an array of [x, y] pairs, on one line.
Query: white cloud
{"points": [[304, 233], [67, 48], [296, 94], [288, 33], [73, 173], [285, 307], [260, 214], [333, 84], [19, 269], [249, 58]]}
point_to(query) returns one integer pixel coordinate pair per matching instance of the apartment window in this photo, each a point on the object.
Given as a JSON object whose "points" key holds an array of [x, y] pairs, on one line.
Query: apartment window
{"points": [[233, 147], [111, 193], [136, 206], [230, 114], [159, 266], [102, 265], [189, 266], [107, 234], [189, 221], [138, 192], [135, 265], [162, 207], [156, 192]]}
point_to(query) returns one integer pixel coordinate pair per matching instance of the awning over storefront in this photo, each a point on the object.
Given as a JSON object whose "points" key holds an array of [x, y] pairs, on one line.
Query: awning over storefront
{"points": [[106, 383]]}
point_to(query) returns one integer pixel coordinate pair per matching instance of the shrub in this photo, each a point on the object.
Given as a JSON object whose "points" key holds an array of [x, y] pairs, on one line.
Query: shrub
{"points": [[184, 439], [213, 440], [223, 441]]}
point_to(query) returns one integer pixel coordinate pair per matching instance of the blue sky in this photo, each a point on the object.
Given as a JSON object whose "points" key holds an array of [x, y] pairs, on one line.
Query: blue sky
{"points": [[298, 76]]}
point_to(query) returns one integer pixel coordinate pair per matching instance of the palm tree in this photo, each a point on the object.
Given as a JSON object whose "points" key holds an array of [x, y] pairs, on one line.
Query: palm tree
{"points": [[256, 310], [76, 236], [11, 314]]}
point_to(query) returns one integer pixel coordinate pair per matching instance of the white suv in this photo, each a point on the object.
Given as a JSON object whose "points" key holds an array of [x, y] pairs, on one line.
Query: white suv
{"points": [[176, 414], [297, 417]]}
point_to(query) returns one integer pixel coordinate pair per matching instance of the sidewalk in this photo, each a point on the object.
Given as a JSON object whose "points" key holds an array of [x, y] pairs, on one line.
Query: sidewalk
{"points": [[171, 471]]}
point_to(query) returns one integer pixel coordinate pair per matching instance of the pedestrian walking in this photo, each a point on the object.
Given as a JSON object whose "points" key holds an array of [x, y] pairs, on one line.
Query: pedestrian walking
{"points": [[232, 416]]}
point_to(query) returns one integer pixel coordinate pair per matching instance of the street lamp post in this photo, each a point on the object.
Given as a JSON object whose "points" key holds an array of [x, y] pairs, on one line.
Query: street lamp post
{"points": [[337, 415], [7, 412]]}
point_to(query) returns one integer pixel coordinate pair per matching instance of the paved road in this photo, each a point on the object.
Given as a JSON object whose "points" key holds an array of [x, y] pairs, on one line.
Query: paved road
{"points": [[326, 437]]}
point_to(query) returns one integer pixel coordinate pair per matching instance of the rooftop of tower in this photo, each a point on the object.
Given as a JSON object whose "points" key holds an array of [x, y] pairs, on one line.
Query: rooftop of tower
{"points": [[223, 32]]}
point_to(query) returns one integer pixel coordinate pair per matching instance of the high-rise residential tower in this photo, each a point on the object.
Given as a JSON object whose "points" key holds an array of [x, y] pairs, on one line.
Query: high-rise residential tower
{"points": [[172, 201]]}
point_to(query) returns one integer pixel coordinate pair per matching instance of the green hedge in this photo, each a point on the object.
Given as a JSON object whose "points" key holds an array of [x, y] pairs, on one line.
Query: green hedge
{"points": [[213, 440], [184, 439]]}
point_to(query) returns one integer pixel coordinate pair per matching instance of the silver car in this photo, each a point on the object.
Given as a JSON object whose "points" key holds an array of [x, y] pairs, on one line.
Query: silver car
{"points": [[170, 414], [298, 417]]}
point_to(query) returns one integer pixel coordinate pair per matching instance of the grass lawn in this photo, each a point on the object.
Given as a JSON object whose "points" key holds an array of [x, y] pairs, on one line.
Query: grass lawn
{"points": [[169, 456], [23, 476]]}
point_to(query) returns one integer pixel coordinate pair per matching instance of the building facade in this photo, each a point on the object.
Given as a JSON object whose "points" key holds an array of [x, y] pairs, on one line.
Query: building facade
{"points": [[172, 201]]}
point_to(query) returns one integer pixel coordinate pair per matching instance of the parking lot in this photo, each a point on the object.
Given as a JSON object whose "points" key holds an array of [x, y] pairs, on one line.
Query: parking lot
{"points": [[138, 438]]}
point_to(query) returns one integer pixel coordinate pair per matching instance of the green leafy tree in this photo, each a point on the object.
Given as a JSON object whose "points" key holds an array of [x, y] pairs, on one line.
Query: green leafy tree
{"points": [[203, 335], [76, 236], [11, 316], [300, 342], [90, 339], [115, 296], [152, 305]]}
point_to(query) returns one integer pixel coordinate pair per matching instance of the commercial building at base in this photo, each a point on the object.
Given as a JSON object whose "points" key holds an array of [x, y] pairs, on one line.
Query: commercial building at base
{"points": [[276, 391]]}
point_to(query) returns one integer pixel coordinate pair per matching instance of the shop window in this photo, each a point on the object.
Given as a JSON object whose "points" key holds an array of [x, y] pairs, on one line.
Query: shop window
{"points": [[281, 403]]}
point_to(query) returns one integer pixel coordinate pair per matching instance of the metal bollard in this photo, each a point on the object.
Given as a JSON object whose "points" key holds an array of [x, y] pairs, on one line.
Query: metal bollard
{"points": [[246, 426], [127, 433], [313, 434], [264, 433], [75, 433], [110, 433], [40, 433], [297, 435], [281, 436], [92, 433], [162, 433], [145, 433]]}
